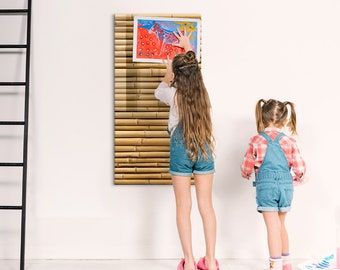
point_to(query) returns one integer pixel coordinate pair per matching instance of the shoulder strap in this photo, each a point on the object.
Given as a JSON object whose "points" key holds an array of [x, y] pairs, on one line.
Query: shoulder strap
{"points": [[265, 135], [279, 136]]}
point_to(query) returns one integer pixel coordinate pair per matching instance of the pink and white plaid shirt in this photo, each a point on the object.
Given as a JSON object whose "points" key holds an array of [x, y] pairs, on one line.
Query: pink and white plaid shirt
{"points": [[257, 150]]}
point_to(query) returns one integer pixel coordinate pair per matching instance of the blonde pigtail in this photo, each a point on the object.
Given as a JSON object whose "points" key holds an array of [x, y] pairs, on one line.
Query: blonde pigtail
{"points": [[292, 120], [258, 114]]}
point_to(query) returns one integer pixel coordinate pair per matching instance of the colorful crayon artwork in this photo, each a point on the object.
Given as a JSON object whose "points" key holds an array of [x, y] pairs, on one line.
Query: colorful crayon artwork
{"points": [[154, 38]]}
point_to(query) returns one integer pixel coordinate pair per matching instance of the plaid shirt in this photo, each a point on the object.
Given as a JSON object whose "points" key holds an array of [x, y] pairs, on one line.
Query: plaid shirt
{"points": [[257, 150]]}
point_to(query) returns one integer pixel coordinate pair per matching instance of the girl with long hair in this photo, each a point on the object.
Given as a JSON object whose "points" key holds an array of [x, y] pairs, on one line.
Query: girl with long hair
{"points": [[191, 150]]}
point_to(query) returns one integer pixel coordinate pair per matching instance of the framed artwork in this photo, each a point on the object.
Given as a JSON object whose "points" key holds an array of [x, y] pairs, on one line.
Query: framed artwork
{"points": [[153, 37]]}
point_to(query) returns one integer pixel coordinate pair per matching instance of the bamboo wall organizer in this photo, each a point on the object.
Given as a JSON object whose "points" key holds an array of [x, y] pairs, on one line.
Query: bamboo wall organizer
{"points": [[141, 142]]}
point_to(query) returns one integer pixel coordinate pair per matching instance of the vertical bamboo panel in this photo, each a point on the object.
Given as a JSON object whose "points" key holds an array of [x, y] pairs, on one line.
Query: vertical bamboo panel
{"points": [[141, 143]]}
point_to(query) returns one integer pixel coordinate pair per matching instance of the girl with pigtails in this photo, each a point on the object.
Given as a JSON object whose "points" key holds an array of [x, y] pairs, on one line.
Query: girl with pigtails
{"points": [[275, 159]]}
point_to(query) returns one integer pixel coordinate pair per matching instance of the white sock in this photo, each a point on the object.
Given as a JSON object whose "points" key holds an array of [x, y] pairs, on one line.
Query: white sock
{"points": [[286, 259], [275, 263]]}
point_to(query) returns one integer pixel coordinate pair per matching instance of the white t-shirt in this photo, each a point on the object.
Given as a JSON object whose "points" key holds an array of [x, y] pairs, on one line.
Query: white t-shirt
{"points": [[166, 94]]}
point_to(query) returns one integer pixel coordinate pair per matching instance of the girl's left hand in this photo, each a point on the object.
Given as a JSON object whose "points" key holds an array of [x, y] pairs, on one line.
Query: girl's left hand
{"points": [[183, 40], [168, 74], [168, 64]]}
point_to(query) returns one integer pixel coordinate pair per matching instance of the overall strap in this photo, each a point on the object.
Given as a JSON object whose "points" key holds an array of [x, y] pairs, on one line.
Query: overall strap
{"points": [[279, 136], [267, 137]]}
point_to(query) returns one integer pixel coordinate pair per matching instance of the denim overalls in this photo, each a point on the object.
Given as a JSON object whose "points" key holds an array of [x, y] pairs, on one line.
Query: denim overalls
{"points": [[273, 180]]}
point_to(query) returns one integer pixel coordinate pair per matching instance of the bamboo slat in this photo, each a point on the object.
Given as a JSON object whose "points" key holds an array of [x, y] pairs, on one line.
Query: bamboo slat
{"points": [[124, 42], [140, 160], [132, 128], [124, 17], [138, 115], [123, 54], [132, 182], [135, 91], [141, 170], [138, 103], [142, 154], [135, 96], [138, 65], [129, 148], [124, 35], [140, 164], [123, 47], [123, 23], [157, 170], [143, 182], [150, 72], [156, 81], [136, 85], [141, 175], [154, 154], [141, 109], [142, 141], [141, 134], [140, 128], [122, 59], [123, 29], [160, 122], [143, 122], [160, 182]]}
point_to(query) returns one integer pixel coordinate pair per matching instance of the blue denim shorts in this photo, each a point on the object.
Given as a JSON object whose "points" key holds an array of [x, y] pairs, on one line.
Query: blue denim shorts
{"points": [[274, 195], [180, 163]]}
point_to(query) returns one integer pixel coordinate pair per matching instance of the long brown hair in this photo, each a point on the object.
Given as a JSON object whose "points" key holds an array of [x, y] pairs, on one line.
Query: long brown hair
{"points": [[275, 112], [193, 104]]}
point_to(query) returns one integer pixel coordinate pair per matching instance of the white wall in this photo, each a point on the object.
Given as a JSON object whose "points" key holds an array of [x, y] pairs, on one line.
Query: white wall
{"points": [[251, 49]]}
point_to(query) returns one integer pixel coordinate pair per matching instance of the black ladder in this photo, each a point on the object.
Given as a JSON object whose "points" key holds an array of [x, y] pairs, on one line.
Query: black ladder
{"points": [[26, 12]]}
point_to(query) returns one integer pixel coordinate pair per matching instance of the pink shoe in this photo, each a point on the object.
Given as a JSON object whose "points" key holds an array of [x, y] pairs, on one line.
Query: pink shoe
{"points": [[181, 265], [287, 267], [201, 264]]}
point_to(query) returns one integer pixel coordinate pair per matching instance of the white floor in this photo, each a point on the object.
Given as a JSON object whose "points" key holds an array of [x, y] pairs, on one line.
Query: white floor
{"points": [[128, 264]]}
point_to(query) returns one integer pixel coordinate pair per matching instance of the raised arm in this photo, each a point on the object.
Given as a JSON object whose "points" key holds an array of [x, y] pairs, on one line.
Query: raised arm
{"points": [[168, 74], [183, 40]]}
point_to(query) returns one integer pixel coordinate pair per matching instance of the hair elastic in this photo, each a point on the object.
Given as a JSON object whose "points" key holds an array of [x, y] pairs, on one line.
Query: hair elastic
{"points": [[191, 65]]}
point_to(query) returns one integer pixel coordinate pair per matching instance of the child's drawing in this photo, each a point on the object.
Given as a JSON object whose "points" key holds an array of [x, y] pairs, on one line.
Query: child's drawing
{"points": [[153, 38]]}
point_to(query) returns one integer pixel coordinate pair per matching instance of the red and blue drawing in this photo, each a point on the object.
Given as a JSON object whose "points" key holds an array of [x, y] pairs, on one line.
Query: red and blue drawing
{"points": [[154, 37]]}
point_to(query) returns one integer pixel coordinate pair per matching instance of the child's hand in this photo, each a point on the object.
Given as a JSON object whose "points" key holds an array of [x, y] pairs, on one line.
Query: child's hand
{"points": [[183, 40], [168, 64], [168, 73], [300, 181], [246, 176]]}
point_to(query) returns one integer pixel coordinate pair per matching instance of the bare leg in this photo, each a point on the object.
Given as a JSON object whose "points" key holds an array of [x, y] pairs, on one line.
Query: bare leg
{"points": [[182, 191], [284, 234], [203, 185], [273, 225], [285, 243]]}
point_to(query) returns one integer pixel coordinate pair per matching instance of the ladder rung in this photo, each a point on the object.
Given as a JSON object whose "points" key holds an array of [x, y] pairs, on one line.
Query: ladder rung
{"points": [[12, 123], [13, 11], [13, 46], [11, 164], [12, 83], [10, 207]]}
